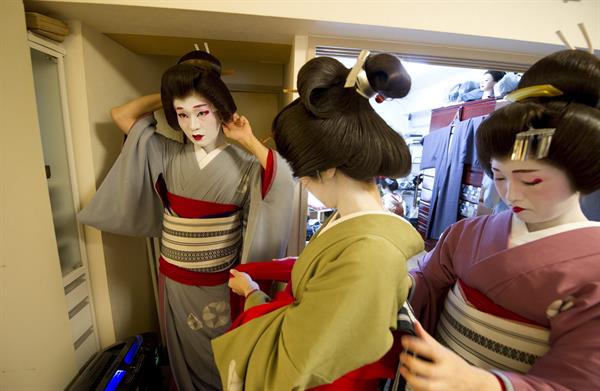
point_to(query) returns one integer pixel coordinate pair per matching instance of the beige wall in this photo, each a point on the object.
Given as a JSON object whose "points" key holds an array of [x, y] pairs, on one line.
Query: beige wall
{"points": [[533, 21], [36, 344], [112, 76]]}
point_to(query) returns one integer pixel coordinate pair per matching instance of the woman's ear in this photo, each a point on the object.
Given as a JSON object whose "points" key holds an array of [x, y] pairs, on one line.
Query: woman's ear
{"points": [[329, 173]]}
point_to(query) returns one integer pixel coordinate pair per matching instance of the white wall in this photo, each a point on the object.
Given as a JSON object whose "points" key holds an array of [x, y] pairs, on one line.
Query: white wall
{"points": [[35, 339]]}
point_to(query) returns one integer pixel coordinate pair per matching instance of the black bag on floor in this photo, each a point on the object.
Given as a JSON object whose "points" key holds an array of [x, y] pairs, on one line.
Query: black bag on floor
{"points": [[128, 365]]}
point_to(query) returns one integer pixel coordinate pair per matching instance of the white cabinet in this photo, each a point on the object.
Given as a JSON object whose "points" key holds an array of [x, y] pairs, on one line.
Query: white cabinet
{"points": [[48, 74]]}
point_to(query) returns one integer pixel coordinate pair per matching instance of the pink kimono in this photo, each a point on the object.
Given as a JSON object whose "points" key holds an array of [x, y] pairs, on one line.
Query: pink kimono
{"points": [[553, 282]]}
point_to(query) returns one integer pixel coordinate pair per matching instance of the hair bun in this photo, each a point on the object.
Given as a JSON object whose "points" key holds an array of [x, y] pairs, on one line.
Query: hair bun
{"points": [[575, 72], [387, 76], [321, 87], [202, 60]]}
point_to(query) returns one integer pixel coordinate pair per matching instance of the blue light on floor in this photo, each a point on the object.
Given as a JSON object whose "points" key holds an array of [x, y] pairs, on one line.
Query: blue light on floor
{"points": [[133, 350], [116, 379]]}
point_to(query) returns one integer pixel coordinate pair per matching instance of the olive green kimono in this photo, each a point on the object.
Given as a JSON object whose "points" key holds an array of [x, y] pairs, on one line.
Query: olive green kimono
{"points": [[348, 284]]}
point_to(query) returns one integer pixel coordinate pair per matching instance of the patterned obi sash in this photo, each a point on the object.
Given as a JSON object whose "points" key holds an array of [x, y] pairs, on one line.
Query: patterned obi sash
{"points": [[207, 245], [489, 341]]}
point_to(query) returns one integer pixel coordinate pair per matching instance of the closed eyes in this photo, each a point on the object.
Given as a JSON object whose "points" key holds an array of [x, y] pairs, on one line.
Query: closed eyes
{"points": [[533, 182]]}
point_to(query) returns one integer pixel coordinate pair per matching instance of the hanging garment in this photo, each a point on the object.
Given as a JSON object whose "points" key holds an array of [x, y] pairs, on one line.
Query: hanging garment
{"points": [[444, 207]]}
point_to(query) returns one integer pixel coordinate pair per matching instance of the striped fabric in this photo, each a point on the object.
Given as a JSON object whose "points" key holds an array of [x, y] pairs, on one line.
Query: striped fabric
{"points": [[488, 341], [204, 245]]}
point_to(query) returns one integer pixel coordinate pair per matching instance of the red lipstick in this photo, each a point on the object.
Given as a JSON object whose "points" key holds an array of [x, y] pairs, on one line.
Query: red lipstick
{"points": [[517, 209], [198, 137]]}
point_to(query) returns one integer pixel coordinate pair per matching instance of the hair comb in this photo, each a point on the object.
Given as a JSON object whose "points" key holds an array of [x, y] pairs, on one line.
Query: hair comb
{"points": [[532, 144]]}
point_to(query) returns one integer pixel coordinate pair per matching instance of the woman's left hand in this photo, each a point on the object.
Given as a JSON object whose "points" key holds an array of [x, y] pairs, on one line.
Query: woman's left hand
{"points": [[238, 129], [445, 370], [241, 283]]}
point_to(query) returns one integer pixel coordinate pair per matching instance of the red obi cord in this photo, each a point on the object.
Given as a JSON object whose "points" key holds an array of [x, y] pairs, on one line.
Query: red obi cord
{"points": [[362, 379]]}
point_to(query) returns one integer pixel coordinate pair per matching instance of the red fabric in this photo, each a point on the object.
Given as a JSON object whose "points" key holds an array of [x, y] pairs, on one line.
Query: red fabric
{"points": [[362, 379], [268, 174], [189, 277], [191, 208], [483, 304], [500, 381], [264, 273]]}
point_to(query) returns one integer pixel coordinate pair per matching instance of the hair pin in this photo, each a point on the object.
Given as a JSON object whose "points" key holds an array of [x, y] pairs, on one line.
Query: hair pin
{"points": [[541, 90], [585, 34], [532, 144], [357, 77]]}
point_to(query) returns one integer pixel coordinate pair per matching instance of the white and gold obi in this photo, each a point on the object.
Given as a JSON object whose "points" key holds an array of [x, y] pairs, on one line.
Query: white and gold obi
{"points": [[488, 341], [206, 245]]}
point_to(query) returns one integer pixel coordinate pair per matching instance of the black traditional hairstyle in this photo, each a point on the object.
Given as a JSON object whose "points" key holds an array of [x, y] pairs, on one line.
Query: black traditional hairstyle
{"points": [[496, 75], [575, 146], [196, 72], [330, 126]]}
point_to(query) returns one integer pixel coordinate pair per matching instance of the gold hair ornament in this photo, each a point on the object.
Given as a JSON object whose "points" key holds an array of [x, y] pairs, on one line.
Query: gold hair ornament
{"points": [[357, 77], [541, 90], [532, 144]]}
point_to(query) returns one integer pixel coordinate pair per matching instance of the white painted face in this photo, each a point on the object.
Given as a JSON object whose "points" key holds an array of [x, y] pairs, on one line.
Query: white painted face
{"points": [[199, 120], [537, 192], [487, 83]]}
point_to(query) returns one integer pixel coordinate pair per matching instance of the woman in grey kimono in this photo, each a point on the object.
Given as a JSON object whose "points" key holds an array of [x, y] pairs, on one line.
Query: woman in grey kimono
{"points": [[214, 205], [515, 297]]}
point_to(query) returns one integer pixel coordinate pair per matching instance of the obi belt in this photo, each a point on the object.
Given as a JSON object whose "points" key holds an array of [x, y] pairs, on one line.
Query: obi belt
{"points": [[207, 245], [489, 341]]}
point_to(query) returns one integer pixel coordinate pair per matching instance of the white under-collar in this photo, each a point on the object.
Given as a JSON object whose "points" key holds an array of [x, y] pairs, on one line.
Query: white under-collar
{"points": [[519, 234], [204, 158], [336, 219]]}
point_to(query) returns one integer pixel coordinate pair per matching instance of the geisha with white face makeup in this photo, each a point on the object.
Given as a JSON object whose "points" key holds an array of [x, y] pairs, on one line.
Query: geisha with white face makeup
{"points": [[513, 298], [539, 194], [200, 122], [213, 204]]}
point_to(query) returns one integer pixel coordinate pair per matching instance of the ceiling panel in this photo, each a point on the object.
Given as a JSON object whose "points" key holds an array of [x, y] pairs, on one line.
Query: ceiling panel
{"points": [[225, 50]]}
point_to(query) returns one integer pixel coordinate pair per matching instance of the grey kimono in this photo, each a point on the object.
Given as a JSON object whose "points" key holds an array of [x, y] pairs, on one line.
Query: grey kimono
{"points": [[212, 212]]}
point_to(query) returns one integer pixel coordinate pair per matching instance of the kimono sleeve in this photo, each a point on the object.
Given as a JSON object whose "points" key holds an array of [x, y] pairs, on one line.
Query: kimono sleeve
{"points": [[573, 361], [268, 217], [432, 279], [341, 321], [126, 202]]}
